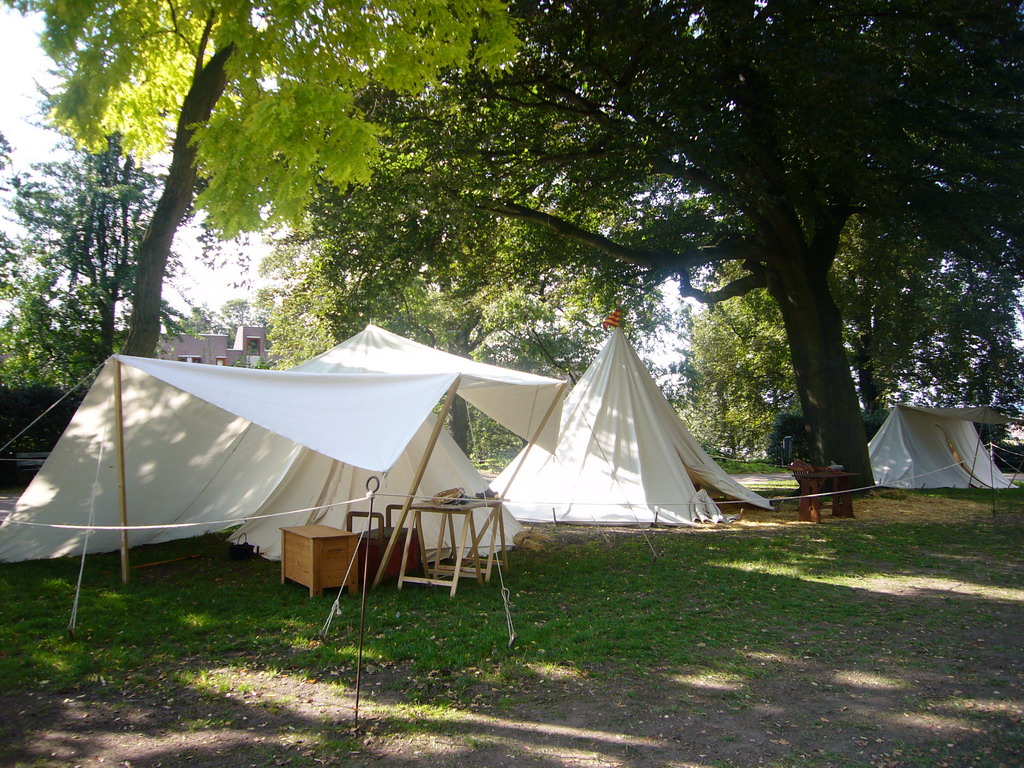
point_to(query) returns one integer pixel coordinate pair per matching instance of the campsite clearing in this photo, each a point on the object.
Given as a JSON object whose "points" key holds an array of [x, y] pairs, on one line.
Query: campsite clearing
{"points": [[890, 640]]}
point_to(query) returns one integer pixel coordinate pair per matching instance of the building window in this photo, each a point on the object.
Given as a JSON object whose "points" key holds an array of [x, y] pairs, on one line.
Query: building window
{"points": [[222, 361], [190, 358], [252, 345]]}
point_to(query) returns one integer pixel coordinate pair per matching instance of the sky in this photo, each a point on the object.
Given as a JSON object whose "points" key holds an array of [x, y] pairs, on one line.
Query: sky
{"points": [[24, 67]]}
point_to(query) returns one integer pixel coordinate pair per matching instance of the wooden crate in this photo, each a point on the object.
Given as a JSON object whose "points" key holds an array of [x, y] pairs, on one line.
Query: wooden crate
{"points": [[318, 556]]}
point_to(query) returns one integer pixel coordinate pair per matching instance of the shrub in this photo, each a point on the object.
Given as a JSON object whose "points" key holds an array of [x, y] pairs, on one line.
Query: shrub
{"points": [[791, 423], [19, 407]]}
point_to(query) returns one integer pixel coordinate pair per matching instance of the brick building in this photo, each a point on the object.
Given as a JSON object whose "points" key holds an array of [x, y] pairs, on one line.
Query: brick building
{"points": [[248, 348]]}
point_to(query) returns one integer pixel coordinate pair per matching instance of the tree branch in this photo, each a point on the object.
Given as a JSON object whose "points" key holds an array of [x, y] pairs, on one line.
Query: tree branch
{"points": [[676, 262], [640, 258], [673, 169], [203, 42], [738, 287]]}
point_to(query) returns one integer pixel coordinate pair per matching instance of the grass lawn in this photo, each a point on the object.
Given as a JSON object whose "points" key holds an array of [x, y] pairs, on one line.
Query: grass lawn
{"points": [[890, 640]]}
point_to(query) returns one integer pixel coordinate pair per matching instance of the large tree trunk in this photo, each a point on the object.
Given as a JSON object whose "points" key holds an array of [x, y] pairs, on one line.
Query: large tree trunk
{"points": [[174, 203], [814, 329]]}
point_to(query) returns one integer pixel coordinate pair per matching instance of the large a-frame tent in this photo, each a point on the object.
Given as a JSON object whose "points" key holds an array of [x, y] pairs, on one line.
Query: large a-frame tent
{"points": [[622, 457], [205, 448], [935, 448], [522, 402]]}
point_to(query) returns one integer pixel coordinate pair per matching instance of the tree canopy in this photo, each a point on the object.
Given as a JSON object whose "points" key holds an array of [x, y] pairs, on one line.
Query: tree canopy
{"points": [[395, 252], [256, 98], [928, 326], [749, 134], [69, 278], [740, 374]]}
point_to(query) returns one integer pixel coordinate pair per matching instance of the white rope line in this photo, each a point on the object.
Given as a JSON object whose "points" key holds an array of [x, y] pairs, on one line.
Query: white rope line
{"points": [[336, 607], [943, 469], [677, 504], [73, 619], [1003, 449], [1018, 470], [497, 500], [507, 603], [228, 521]]}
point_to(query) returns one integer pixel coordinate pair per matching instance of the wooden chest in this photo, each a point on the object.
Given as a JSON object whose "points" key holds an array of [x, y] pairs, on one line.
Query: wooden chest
{"points": [[319, 556]]}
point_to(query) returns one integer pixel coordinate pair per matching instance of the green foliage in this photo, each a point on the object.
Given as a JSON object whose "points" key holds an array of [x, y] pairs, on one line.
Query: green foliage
{"points": [[749, 138], [787, 424], [791, 424], [739, 467], [199, 320], [289, 113], [742, 374], [928, 326], [236, 312], [19, 407], [69, 278], [394, 252]]}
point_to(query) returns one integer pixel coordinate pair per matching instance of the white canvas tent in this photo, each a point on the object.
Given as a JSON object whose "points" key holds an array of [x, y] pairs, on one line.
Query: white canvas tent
{"points": [[622, 457], [520, 401], [206, 447], [935, 448]]}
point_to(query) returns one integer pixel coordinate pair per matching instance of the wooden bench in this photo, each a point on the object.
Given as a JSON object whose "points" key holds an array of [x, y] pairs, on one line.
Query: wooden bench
{"points": [[30, 462]]}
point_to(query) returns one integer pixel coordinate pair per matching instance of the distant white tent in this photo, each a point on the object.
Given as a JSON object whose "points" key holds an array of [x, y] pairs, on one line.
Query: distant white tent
{"points": [[935, 448], [206, 447], [623, 457]]}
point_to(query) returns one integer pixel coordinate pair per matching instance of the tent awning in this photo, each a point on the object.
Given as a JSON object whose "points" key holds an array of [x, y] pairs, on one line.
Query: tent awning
{"points": [[361, 419], [518, 401]]}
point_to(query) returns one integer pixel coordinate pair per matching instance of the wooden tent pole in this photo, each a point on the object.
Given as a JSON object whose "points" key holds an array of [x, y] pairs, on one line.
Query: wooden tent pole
{"points": [[536, 435], [434, 435], [121, 483]]}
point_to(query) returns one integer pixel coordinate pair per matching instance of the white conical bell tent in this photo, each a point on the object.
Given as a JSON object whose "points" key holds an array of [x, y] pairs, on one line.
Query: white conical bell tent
{"points": [[623, 457]]}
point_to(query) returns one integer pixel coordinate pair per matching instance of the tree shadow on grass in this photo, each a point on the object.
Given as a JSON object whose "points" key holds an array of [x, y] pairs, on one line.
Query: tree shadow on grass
{"points": [[780, 651]]}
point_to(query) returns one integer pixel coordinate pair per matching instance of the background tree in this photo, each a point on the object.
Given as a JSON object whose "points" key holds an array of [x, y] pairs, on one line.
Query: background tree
{"points": [[749, 134], [69, 278], [741, 376], [257, 98], [927, 326], [199, 320], [5, 186], [394, 253], [236, 312], [232, 313], [921, 327]]}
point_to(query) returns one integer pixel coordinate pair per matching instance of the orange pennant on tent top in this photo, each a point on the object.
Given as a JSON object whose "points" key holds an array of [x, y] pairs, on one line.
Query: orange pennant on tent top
{"points": [[613, 320]]}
